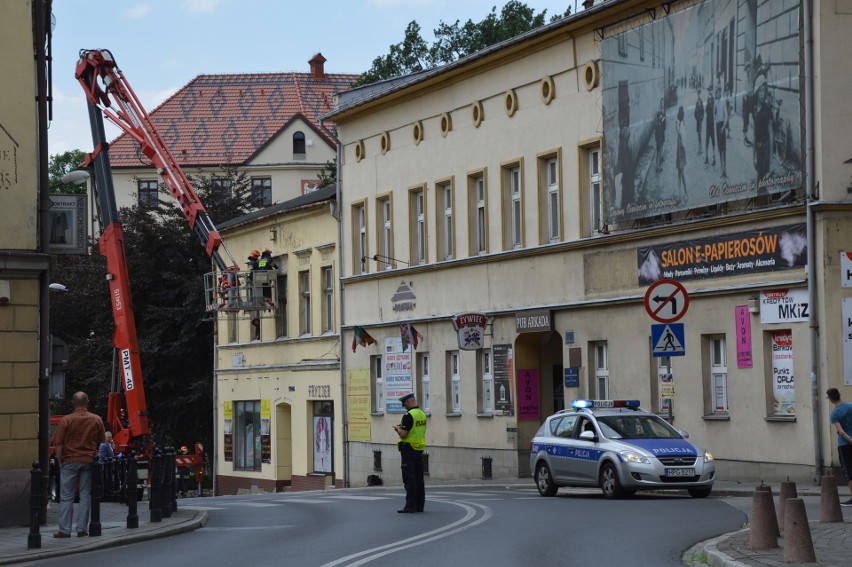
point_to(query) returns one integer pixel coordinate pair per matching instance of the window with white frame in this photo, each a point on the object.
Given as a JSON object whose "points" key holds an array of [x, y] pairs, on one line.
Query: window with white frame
{"points": [[719, 374], [517, 219], [454, 386], [385, 235], [601, 377], [551, 168], [487, 377], [445, 194], [417, 224], [305, 302], [596, 199], [359, 239], [327, 299], [378, 384], [425, 396], [479, 222]]}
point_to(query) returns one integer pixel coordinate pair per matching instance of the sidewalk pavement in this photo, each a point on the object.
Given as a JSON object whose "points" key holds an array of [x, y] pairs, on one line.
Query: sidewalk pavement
{"points": [[832, 541]]}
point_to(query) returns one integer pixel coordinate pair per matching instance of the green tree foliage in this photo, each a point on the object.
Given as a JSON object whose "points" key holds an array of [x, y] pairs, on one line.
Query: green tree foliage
{"points": [[454, 41], [328, 173], [63, 163], [166, 262]]}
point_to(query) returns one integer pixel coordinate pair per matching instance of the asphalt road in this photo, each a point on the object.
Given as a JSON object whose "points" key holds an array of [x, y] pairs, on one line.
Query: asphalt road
{"points": [[496, 527]]}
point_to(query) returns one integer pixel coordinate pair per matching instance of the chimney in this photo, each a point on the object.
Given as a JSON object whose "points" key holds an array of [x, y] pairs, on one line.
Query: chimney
{"points": [[316, 62]]}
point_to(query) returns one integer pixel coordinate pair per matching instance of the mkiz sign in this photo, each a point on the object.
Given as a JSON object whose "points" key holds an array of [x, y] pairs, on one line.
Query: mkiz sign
{"points": [[784, 306]]}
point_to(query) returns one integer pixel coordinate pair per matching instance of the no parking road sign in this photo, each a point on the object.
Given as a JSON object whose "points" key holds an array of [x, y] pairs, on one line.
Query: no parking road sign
{"points": [[666, 301]]}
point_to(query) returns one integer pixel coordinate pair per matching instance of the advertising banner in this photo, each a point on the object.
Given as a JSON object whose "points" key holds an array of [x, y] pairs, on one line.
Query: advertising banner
{"points": [[784, 306], [528, 399], [783, 384], [846, 315], [503, 372], [700, 108], [227, 428], [398, 381], [743, 253], [742, 320], [358, 398], [265, 438], [67, 225]]}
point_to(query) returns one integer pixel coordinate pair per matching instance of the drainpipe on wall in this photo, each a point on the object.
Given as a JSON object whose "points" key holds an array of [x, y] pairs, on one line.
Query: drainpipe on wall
{"points": [[811, 199], [340, 296]]}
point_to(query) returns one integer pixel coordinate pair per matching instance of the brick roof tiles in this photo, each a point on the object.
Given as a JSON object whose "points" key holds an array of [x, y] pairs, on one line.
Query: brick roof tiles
{"points": [[228, 118]]}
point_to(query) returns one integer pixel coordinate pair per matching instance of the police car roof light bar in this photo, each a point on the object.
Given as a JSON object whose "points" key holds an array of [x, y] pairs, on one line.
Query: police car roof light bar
{"points": [[581, 404]]}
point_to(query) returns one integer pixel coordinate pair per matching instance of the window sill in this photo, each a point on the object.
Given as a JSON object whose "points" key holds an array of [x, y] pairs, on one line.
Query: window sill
{"points": [[454, 414], [377, 413], [487, 414], [717, 417], [781, 418]]}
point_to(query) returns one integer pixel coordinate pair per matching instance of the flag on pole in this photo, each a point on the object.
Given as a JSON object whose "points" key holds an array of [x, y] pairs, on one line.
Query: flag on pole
{"points": [[362, 338], [410, 336]]}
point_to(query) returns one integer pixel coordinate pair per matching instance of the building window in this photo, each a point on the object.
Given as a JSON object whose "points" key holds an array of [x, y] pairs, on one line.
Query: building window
{"points": [[261, 191], [601, 368], [595, 191], [454, 385], [444, 193], [486, 382], [328, 299], [299, 143], [247, 453], [417, 208], [147, 191], [221, 191], [305, 302], [359, 239], [719, 374], [232, 327], [425, 396], [478, 221], [281, 306], [385, 234], [550, 212], [378, 383], [513, 219]]}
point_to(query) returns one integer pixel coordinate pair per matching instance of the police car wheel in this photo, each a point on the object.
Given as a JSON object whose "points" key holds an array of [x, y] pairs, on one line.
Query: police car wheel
{"points": [[699, 492], [544, 480], [610, 485]]}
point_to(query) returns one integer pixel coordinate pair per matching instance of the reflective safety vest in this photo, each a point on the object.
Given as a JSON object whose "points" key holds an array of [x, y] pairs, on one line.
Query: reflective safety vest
{"points": [[417, 435], [264, 264]]}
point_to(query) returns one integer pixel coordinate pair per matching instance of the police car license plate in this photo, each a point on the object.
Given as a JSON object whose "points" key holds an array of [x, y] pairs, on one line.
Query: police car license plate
{"points": [[680, 472]]}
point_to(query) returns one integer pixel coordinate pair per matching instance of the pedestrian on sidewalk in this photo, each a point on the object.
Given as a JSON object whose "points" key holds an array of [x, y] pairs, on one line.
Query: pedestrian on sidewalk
{"points": [[660, 133], [710, 136], [720, 112], [699, 119], [77, 439], [681, 155], [841, 419]]}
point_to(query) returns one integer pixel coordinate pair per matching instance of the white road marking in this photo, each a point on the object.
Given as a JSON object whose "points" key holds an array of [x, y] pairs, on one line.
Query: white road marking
{"points": [[465, 523]]}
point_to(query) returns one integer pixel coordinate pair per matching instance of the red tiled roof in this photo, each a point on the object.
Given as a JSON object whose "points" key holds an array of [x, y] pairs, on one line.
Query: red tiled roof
{"points": [[219, 119]]}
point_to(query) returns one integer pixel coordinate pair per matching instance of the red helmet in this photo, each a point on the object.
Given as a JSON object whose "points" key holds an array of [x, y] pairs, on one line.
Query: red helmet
{"points": [[254, 254], [267, 251]]}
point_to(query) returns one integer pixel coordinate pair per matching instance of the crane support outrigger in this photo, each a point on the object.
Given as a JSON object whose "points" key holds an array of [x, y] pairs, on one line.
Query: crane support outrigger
{"points": [[109, 95]]}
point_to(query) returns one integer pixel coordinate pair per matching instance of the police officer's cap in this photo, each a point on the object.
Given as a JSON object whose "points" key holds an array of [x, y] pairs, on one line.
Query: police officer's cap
{"points": [[406, 397]]}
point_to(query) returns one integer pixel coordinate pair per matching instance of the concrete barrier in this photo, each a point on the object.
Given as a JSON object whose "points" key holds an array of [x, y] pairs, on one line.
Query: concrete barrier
{"points": [[798, 544], [764, 526], [775, 520], [829, 503], [788, 490]]}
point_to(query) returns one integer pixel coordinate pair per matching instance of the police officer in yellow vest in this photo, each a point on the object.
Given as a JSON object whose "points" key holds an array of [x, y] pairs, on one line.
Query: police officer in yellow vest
{"points": [[411, 443]]}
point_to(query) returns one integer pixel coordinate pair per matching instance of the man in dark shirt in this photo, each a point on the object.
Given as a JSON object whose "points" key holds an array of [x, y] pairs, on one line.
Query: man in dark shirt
{"points": [[77, 439]]}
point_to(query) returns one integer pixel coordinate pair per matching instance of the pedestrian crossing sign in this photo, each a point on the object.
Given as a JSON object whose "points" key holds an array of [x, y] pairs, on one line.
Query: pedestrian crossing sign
{"points": [[668, 339]]}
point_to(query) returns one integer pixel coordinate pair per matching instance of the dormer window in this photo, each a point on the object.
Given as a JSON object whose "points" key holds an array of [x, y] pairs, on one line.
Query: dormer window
{"points": [[299, 143]]}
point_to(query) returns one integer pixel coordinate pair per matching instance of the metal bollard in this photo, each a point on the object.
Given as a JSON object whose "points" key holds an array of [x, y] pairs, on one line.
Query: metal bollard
{"points": [[97, 492], [34, 538], [131, 481], [172, 458], [168, 483], [123, 470], [106, 470], [156, 487]]}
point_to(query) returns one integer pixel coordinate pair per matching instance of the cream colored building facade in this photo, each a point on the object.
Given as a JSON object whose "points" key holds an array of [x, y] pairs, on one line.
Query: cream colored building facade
{"points": [[279, 420], [21, 264], [489, 186]]}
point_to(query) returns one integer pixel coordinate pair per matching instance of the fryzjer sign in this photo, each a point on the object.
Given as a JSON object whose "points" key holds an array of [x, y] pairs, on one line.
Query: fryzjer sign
{"points": [[766, 250]]}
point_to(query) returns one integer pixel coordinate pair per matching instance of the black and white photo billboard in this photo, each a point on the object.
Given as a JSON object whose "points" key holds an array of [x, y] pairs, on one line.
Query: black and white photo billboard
{"points": [[701, 107]]}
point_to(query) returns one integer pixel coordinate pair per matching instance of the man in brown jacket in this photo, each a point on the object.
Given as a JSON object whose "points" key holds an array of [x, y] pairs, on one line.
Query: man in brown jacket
{"points": [[77, 439]]}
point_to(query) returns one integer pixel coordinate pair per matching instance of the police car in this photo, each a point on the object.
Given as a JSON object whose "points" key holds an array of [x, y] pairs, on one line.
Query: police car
{"points": [[619, 447]]}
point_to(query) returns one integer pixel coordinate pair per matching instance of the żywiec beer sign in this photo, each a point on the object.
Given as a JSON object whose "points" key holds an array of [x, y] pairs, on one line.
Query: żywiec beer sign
{"points": [[471, 330]]}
